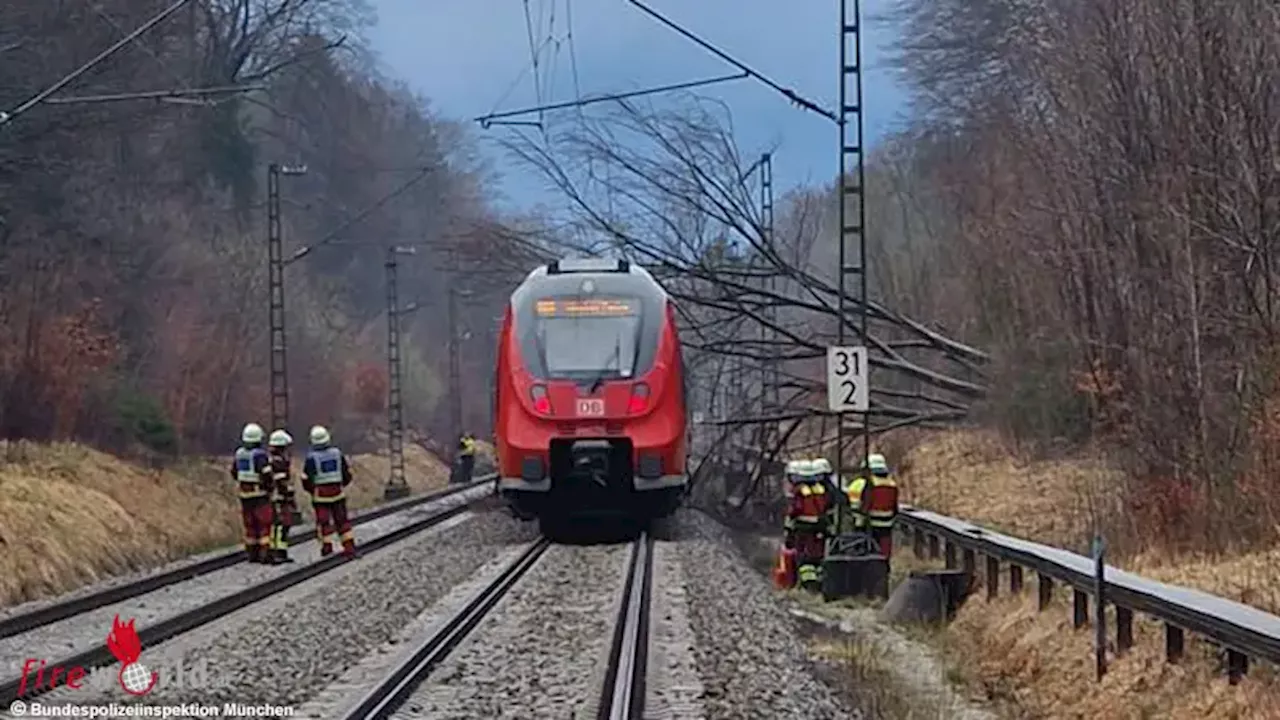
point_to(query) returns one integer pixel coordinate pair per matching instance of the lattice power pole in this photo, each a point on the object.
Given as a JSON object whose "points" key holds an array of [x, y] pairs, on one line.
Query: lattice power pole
{"points": [[275, 291], [852, 182], [397, 486], [769, 390]]}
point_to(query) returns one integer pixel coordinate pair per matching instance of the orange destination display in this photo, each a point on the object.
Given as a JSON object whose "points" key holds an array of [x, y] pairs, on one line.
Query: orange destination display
{"points": [[586, 307]]}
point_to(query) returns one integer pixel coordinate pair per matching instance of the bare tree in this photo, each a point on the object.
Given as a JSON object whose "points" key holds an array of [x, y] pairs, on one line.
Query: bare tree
{"points": [[676, 197]]}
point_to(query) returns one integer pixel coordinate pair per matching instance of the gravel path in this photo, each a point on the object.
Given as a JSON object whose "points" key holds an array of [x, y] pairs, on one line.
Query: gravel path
{"points": [[115, 581], [282, 650], [752, 662], [81, 632], [673, 688], [543, 652]]}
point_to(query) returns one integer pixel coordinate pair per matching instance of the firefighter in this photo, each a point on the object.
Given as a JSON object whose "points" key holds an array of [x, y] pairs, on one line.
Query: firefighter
{"points": [[873, 502], [466, 457], [823, 467], [284, 506], [251, 471], [807, 521], [325, 476]]}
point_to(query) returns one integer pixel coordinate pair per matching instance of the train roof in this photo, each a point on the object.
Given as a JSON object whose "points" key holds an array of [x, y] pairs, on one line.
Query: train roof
{"points": [[566, 276]]}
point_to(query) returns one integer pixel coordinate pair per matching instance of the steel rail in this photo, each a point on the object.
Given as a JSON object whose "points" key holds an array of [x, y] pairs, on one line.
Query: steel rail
{"points": [[151, 635], [1242, 630], [383, 699], [624, 686], [27, 621]]}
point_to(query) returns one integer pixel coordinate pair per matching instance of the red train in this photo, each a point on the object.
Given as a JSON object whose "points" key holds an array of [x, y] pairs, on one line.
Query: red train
{"points": [[589, 403]]}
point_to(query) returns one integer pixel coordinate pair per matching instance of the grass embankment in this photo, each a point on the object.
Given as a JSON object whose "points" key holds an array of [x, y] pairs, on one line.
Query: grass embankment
{"points": [[1036, 664], [71, 515]]}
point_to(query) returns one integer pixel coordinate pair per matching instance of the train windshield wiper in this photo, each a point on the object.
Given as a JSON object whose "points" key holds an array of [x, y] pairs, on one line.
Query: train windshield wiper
{"points": [[605, 372]]}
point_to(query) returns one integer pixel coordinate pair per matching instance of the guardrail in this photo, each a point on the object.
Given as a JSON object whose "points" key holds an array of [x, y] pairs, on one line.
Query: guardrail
{"points": [[1244, 632]]}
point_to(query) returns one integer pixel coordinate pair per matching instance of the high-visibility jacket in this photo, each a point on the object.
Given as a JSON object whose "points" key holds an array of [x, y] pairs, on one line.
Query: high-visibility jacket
{"points": [[809, 504], [325, 473], [467, 446], [873, 504], [251, 472]]}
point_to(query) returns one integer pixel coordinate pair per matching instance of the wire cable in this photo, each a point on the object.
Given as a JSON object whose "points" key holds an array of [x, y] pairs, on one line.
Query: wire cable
{"points": [[533, 56], [8, 117]]}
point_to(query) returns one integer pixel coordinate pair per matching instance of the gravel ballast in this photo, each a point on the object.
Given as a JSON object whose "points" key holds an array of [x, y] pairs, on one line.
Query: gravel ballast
{"points": [[752, 662], [115, 581], [542, 651], [673, 688], [336, 698], [81, 632], [285, 649]]}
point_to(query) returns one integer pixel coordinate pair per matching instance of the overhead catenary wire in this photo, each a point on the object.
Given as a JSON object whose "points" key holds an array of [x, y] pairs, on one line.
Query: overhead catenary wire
{"points": [[790, 94], [533, 57], [176, 94], [573, 53], [10, 116], [337, 232], [487, 120]]}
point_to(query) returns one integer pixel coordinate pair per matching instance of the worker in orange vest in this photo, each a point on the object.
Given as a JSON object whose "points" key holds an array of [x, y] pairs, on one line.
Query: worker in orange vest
{"points": [[873, 502], [808, 520]]}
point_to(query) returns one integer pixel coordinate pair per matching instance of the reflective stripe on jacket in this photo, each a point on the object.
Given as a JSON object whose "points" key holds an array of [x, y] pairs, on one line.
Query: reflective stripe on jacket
{"points": [[328, 479], [250, 463], [809, 503], [874, 504]]}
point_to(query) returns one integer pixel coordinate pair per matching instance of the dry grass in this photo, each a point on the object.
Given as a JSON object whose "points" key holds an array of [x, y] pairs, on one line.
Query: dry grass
{"points": [[878, 686], [70, 515], [973, 475], [1036, 663]]}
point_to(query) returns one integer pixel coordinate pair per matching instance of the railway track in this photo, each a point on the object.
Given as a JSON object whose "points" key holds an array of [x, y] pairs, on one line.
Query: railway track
{"points": [[39, 617], [622, 696], [183, 622]]}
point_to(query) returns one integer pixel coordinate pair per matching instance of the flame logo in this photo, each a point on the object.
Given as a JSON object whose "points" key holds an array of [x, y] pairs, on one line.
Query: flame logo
{"points": [[124, 644]]}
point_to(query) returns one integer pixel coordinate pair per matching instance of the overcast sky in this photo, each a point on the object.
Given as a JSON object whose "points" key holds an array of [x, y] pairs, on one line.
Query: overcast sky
{"points": [[472, 57]]}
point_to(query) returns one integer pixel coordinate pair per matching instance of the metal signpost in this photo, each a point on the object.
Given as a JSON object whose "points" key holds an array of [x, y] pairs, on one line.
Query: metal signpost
{"points": [[847, 367], [852, 181]]}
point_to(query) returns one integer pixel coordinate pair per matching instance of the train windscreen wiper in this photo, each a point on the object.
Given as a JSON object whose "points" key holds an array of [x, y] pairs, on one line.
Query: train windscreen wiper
{"points": [[616, 359]]}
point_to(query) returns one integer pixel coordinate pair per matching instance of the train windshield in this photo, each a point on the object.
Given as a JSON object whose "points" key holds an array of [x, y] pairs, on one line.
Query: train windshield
{"points": [[588, 339]]}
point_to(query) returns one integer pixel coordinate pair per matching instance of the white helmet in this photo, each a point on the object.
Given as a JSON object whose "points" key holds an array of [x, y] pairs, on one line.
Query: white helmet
{"points": [[822, 466], [252, 434], [280, 438], [319, 436]]}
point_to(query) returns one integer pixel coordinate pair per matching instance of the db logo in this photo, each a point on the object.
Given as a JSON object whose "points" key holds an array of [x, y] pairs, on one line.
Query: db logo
{"points": [[124, 644]]}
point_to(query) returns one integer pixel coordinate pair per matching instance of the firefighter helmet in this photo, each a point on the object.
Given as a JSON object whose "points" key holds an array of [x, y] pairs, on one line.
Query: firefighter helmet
{"points": [[280, 438], [319, 435], [822, 466], [252, 434], [877, 464]]}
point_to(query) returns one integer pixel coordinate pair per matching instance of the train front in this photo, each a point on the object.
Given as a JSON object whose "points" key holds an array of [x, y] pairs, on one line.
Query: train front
{"points": [[591, 407]]}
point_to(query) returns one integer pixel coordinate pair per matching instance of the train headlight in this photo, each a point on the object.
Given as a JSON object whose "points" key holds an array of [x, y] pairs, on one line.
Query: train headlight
{"points": [[541, 403], [639, 401]]}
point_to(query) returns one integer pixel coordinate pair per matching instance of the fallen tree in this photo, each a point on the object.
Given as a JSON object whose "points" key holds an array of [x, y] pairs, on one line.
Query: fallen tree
{"points": [[671, 189]]}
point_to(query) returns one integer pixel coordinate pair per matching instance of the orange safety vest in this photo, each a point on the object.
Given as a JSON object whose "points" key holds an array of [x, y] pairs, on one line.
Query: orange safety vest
{"points": [[874, 503], [809, 503]]}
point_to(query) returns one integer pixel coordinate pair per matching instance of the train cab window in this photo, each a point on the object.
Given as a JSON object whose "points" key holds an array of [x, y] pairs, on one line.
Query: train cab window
{"points": [[566, 329], [580, 341]]}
